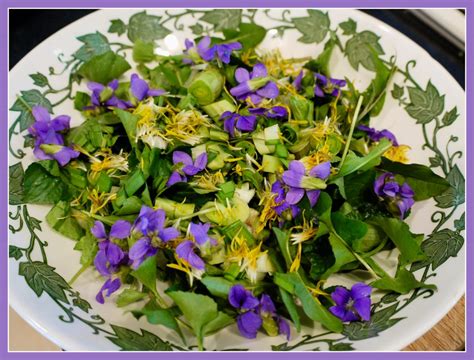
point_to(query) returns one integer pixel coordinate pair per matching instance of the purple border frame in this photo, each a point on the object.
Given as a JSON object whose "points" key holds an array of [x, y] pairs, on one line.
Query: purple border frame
{"points": [[467, 4]]}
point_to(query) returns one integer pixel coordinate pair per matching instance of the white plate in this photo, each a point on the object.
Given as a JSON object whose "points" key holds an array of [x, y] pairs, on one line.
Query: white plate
{"points": [[57, 313]]}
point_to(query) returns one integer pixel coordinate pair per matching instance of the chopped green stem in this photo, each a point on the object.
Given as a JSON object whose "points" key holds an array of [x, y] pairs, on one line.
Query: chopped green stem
{"points": [[355, 118]]}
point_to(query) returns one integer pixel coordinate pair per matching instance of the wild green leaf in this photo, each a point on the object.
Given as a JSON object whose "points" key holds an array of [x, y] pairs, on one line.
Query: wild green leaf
{"points": [[165, 317], [314, 27], [248, 34], [81, 100], [398, 91], [41, 277], [143, 52], [223, 18], [425, 105], [424, 182], [146, 274], [291, 307], [380, 321], [293, 283], [88, 247], [342, 255], [440, 246], [359, 49], [283, 240], [348, 27], [14, 252], [129, 296], [128, 340], [87, 135], [321, 63], [359, 187], [146, 28], [29, 98], [349, 229], [94, 44], [454, 195], [104, 68], [403, 282], [217, 286], [41, 187], [129, 122], [15, 176], [221, 321], [60, 218], [117, 26], [39, 79]]}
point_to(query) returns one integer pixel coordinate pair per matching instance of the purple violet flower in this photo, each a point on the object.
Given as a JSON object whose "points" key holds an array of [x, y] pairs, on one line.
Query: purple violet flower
{"points": [[140, 89], [184, 165], [111, 286], [257, 85], [242, 299], [110, 255], [105, 96], [299, 183], [234, 121], [49, 143], [324, 85], [297, 81], [200, 233], [207, 52], [386, 187], [376, 135], [352, 305], [249, 323], [272, 113], [151, 225], [185, 251], [278, 187]]}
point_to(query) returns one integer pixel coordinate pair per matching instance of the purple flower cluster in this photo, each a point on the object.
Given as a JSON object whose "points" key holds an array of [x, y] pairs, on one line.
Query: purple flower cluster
{"points": [[184, 165], [272, 113], [140, 89], [185, 250], [105, 95], [278, 188], [208, 52], [253, 312], [255, 85], [325, 85], [376, 135], [387, 188], [234, 121], [352, 305], [49, 142]]}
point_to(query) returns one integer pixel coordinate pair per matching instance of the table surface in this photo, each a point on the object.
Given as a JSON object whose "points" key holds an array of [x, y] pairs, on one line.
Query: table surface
{"points": [[448, 334]]}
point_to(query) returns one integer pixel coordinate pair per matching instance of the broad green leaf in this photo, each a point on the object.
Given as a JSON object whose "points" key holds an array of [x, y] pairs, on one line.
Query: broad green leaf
{"points": [[135, 181], [29, 98], [217, 286], [143, 52], [403, 282], [291, 307], [117, 26], [41, 187], [314, 27], [15, 184], [425, 105], [88, 247], [424, 182], [223, 18], [146, 274], [146, 28], [342, 255], [129, 296], [283, 240], [87, 135], [398, 91], [359, 187], [41, 277], [94, 44], [293, 283], [380, 321], [14, 252], [442, 245], [129, 122], [248, 34], [104, 68], [359, 49], [321, 63], [348, 27], [221, 321], [81, 100], [349, 229], [450, 116], [39, 79], [61, 219], [128, 340], [454, 195], [320, 256]]}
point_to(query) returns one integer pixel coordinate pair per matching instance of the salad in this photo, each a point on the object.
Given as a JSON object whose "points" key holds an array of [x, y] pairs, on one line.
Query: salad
{"points": [[226, 185]]}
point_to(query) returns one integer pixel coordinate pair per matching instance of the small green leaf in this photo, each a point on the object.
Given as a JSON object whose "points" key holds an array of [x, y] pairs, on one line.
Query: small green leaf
{"points": [[143, 52], [146, 28], [359, 49], [128, 340], [14, 252], [403, 282], [61, 219], [217, 286], [348, 27], [146, 274], [425, 105], [39, 79], [129, 296], [42, 187], [197, 29], [221, 321], [41, 277], [314, 27], [81, 100], [29, 98], [117, 26], [223, 18], [129, 122], [450, 116], [349, 229], [94, 44], [15, 175], [104, 68], [398, 91], [359, 186], [88, 247], [455, 194]]}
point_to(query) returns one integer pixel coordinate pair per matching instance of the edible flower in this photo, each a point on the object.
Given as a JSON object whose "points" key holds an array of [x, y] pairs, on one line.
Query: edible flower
{"points": [[184, 165], [272, 113], [388, 189], [105, 95], [234, 121], [324, 85], [352, 305], [140, 89], [207, 52], [278, 188], [185, 251], [297, 82], [255, 85], [376, 135], [111, 286]]}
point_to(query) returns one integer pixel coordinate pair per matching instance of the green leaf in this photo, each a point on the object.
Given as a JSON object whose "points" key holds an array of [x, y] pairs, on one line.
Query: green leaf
{"points": [[283, 240], [450, 116], [87, 135], [129, 296], [319, 65], [146, 28], [117, 26], [134, 182], [217, 286], [342, 255], [293, 283], [442, 245], [313, 27], [349, 229], [88, 247], [348, 27], [146, 274], [223, 18], [104, 68], [198, 310], [61, 219], [359, 49], [424, 182], [221, 321], [14, 252], [143, 52], [129, 122], [403, 282], [29, 98], [165, 317], [41, 187], [355, 163], [41, 277], [81, 100], [197, 29], [15, 184], [460, 223], [359, 187], [249, 35], [399, 232], [454, 195], [94, 44], [425, 105], [380, 321], [39, 79], [398, 91], [291, 307], [128, 340]]}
